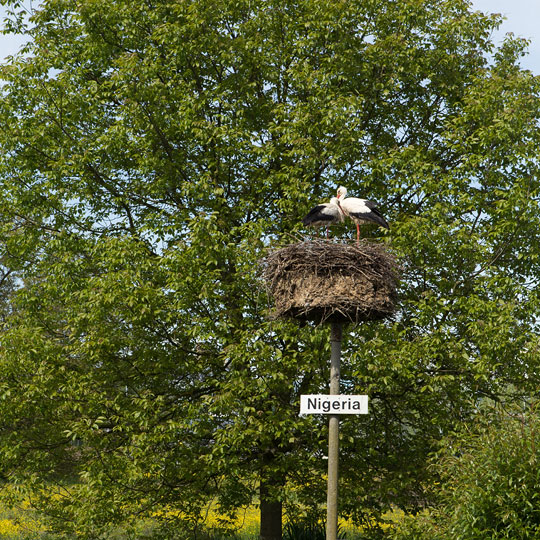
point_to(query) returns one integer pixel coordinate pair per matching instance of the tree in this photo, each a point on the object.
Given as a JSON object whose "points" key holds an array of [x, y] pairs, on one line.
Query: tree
{"points": [[152, 152]]}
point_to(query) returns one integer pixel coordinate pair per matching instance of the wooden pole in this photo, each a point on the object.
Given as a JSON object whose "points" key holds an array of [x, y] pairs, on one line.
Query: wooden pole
{"points": [[333, 436]]}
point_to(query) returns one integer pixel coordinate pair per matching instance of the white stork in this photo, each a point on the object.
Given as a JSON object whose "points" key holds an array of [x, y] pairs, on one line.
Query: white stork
{"points": [[359, 210], [324, 215]]}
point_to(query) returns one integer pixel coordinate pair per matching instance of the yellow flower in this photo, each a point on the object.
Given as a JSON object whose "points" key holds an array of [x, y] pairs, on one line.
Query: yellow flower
{"points": [[7, 527]]}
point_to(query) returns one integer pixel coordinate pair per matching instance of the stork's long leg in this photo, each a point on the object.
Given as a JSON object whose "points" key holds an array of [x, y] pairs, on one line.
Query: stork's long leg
{"points": [[357, 233]]}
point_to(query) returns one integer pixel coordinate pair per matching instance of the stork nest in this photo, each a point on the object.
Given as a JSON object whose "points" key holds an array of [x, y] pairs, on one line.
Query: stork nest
{"points": [[320, 280]]}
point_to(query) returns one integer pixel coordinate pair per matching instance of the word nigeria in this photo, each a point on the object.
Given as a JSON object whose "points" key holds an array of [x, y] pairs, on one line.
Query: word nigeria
{"points": [[333, 404]]}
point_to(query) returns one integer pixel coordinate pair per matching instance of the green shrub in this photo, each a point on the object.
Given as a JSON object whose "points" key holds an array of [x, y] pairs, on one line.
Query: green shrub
{"points": [[308, 530], [303, 530], [490, 483]]}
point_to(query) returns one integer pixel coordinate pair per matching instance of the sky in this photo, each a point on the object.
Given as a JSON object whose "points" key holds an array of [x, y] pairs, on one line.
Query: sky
{"points": [[522, 19]]}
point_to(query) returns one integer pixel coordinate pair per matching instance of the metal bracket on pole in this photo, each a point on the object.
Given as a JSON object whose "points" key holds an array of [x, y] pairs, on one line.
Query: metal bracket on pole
{"points": [[333, 436]]}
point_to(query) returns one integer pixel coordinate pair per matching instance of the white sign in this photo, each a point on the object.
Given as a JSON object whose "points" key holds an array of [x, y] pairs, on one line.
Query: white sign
{"points": [[329, 404]]}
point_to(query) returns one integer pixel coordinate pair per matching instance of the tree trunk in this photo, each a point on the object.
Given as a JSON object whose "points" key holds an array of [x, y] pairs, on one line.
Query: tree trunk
{"points": [[271, 510]]}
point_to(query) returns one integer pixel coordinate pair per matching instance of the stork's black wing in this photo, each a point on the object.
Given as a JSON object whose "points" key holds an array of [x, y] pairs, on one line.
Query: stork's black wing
{"points": [[373, 215], [321, 215]]}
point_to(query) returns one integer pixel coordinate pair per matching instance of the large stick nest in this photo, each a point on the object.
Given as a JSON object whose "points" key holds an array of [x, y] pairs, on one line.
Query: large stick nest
{"points": [[320, 280]]}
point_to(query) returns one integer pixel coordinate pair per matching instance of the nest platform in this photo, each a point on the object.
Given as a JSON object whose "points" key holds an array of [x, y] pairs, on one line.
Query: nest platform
{"points": [[325, 281]]}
